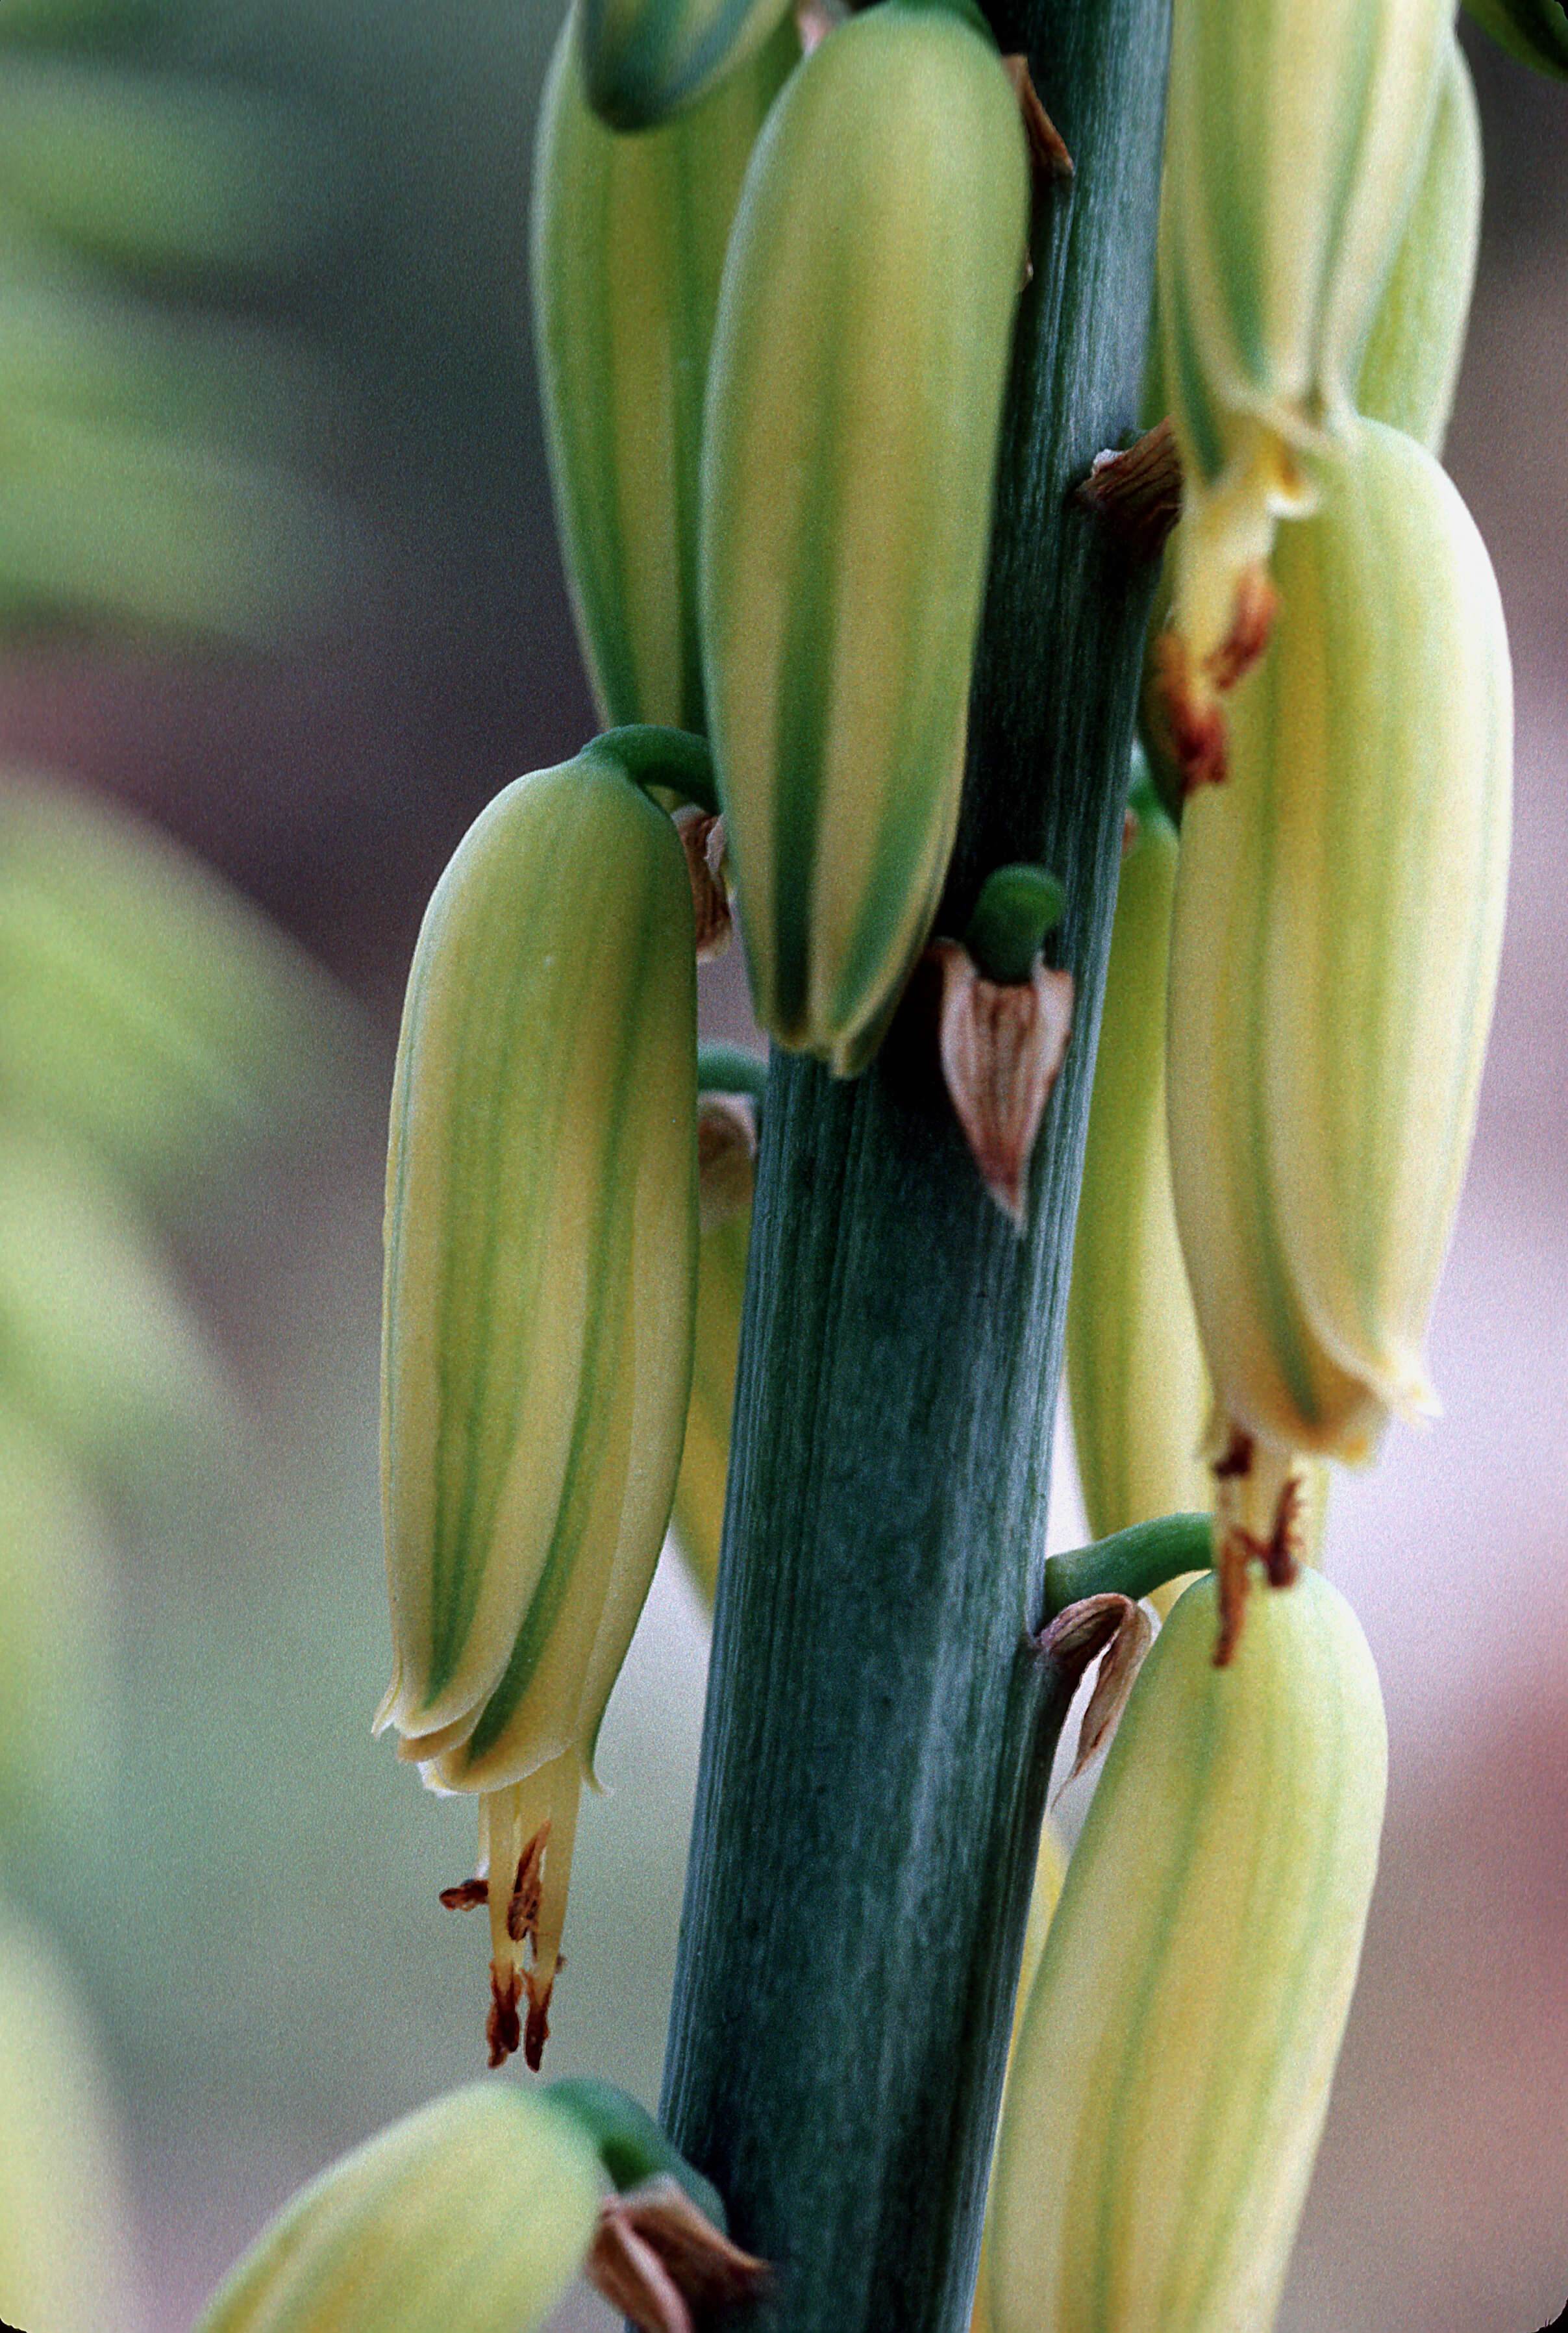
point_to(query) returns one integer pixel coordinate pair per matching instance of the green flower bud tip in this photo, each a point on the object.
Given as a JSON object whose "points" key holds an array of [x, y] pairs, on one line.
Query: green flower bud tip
{"points": [[626, 248], [1334, 950], [540, 1255], [853, 402], [1172, 2071], [1533, 31], [645, 60], [476, 2211]]}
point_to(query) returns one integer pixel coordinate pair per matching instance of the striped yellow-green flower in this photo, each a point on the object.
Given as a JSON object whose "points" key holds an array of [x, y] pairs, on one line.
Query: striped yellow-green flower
{"points": [[1294, 135], [1173, 2069], [629, 236], [1295, 132], [540, 1265], [1335, 952], [478, 2211], [1135, 1373], [850, 437], [1418, 338], [645, 60], [1050, 1864]]}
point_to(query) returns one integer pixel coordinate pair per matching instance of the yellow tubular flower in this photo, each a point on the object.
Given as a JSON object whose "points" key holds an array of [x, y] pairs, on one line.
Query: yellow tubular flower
{"points": [[1173, 2069], [540, 1266], [1338, 921]]}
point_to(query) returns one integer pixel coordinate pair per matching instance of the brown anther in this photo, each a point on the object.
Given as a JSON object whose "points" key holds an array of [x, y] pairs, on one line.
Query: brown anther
{"points": [[1048, 156], [523, 1910], [1193, 723], [1234, 1460], [1253, 612], [467, 1895], [702, 840], [1001, 1048], [503, 2029], [1138, 492], [536, 2032]]}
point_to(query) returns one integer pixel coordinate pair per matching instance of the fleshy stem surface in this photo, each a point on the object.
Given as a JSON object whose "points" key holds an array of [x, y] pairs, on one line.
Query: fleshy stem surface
{"points": [[878, 1730]]}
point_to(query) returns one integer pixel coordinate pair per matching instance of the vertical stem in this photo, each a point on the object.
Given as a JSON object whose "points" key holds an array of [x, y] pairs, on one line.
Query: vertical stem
{"points": [[877, 1732]]}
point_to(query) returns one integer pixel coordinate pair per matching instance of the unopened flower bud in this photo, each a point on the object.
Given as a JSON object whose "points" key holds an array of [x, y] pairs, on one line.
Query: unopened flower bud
{"points": [[627, 245], [476, 2211], [1338, 920], [1171, 2077], [855, 400]]}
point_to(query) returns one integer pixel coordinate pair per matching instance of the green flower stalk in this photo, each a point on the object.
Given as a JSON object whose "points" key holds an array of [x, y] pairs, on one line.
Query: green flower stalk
{"points": [[851, 422], [645, 60], [476, 2211], [536, 1353], [628, 244], [1172, 2072], [1338, 920]]}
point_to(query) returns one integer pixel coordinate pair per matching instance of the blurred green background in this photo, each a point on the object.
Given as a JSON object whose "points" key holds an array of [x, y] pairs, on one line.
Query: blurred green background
{"points": [[323, 399]]}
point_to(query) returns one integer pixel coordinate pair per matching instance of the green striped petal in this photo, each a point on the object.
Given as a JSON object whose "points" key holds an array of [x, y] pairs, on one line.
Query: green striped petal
{"points": [[1295, 133], [853, 406], [477, 2212], [645, 60], [1334, 953], [1412, 361], [629, 237], [1172, 2073], [540, 1265]]}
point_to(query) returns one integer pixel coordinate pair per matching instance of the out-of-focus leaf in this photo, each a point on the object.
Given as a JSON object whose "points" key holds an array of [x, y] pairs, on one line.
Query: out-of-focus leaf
{"points": [[65, 2250], [144, 1007], [97, 1345], [162, 432], [56, 1658]]}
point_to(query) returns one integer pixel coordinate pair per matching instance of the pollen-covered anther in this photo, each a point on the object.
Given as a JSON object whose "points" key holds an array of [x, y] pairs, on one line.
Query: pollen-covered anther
{"points": [[1002, 1047], [467, 1896], [703, 841]]}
